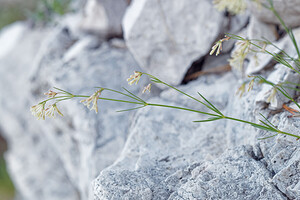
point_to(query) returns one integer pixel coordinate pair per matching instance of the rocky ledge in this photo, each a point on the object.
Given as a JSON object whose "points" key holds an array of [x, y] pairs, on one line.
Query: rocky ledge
{"points": [[151, 153]]}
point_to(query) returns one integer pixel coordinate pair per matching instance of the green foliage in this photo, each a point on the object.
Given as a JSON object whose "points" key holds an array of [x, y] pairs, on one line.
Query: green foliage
{"points": [[6, 187], [37, 10], [14, 11], [46, 9]]}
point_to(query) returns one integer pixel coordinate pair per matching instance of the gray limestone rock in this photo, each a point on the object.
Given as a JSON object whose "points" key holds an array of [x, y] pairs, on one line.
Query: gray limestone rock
{"points": [[287, 9], [36, 169], [289, 47], [10, 35], [278, 154], [103, 17], [164, 147], [273, 96], [59, 158], [235, 24], [154, 153], [237, 174], [281, 156], [256, 59], [165, 37], [86, 142], [157, 163], [261, 60], [258, 30], [287, 179]]}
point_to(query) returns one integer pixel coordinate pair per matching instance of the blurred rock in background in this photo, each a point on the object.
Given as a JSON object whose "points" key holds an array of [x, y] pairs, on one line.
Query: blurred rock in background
{"points": [[287, 9], [149, 153], [104, 17]]}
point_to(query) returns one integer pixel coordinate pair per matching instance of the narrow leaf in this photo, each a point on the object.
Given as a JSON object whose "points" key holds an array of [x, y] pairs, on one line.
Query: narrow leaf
{"points": [[263, 127], [214, 108], [267, 121], [268, 137], [138, 98], [209, 119], [130, 109], [62, 90]]}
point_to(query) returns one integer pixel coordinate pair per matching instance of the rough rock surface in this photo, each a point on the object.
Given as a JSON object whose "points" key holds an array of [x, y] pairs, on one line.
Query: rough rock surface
{"points": [[167, 165], [237, 174], [278, 154], [152, 153], [183, 160], [164, 147], [275, 98], [165, 37]]}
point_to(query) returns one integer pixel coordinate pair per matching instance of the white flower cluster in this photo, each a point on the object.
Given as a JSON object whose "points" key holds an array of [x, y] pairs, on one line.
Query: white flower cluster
{"points": [[233, 6], [92, 99], [218, 46], [39, 110], [134, 78], [238, 56]]}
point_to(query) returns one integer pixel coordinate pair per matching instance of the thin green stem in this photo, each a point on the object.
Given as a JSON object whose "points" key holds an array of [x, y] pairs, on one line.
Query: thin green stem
{"points": [[118, 100], [182, 108], [58, 97], [280, 88], [108, 99], [174, 88], [288, 31], [276, 57], [285, 133], [262, 127], [118, 92], [281, 50], [240, 120]]}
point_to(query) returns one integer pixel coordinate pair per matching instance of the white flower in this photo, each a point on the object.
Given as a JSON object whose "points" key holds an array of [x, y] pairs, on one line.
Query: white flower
{"points": [[239, 55], [50, 111], [147, 88], [233, 6], [241, 90], [38, 111], [134, 78], [251, 84], [272, 96], [50, 94], [218, 46], [92, 99]]}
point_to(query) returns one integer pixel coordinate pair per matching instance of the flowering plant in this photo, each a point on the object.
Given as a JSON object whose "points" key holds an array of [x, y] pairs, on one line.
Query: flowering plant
{"points": [[245, 46]]}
